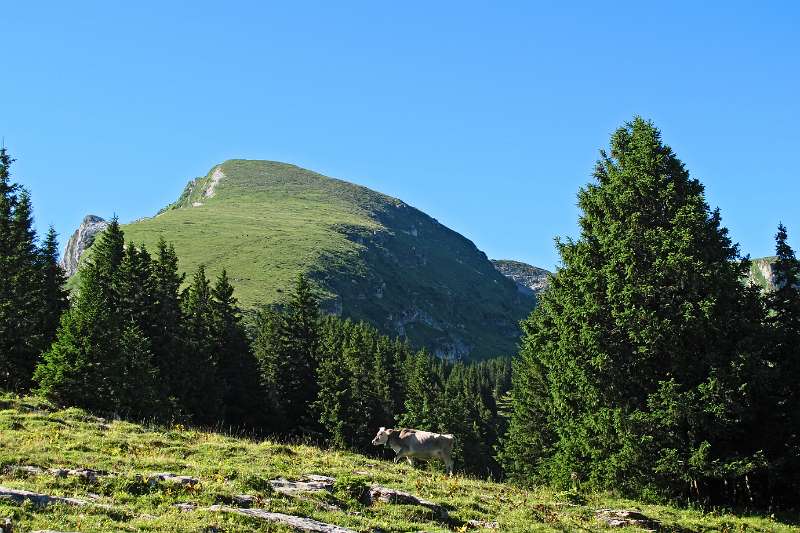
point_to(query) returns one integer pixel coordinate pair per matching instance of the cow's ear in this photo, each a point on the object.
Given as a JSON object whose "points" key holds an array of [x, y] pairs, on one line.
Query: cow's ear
{"points": [[382, 429]]}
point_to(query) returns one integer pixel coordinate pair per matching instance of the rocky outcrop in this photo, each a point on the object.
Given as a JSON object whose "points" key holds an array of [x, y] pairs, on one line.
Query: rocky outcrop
{"points": [[310, 483], [626, 518], [388, 495], [298, 523], [80, 241], [41, 500], [529, 279]]}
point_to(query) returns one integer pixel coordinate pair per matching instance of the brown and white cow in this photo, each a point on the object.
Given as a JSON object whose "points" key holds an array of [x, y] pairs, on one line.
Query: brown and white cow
{"points": [[416, 444]]}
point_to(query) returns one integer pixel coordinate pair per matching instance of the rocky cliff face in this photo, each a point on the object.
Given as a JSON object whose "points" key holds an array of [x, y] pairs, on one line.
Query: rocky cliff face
{"points": [[529, 279], [79, 241]]}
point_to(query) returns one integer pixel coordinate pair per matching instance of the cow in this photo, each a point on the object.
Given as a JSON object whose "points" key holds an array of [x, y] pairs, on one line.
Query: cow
{"points": [[416, 444]]}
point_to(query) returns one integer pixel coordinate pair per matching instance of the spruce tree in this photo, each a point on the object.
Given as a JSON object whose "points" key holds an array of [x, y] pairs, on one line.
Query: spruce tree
{"points": [[333, 379], [85, 365], [634, 365], [780, 414], [166, 326], [203, 400], [288, 355], [25, 329], [53, 290], [136, 291], [22, 307], [423, 394], [238, 369]]}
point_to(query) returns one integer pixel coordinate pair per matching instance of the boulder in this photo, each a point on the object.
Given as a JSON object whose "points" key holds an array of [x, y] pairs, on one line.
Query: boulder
{"points": [[387, 495]]}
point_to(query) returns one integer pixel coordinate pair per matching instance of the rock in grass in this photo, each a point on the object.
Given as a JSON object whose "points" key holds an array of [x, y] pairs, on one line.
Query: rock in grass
{"points": [[185, 506], [482, 524], [20, 496], [310, 483], [89, 474], [244, 500], [626, 518], [172, 478], [387, 495], [298, 522]]}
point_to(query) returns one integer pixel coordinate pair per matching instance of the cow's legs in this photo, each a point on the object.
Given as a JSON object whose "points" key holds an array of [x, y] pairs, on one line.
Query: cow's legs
{"points": [[410, 460], [448, 464]]}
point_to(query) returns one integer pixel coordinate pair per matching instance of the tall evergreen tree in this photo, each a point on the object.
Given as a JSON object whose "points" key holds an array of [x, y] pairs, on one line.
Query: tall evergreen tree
{"points": [[86, 365], [333, 382], [203, 401], [780, 413], [24, 326], [423, 393], [166, 322], [136, 291], [19, 310], [634, 365], [238, 368], [54, 294], [287, 351]]}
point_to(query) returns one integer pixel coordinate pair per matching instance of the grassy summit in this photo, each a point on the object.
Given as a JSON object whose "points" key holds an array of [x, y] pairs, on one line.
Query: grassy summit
{"points": [[373, 257]]}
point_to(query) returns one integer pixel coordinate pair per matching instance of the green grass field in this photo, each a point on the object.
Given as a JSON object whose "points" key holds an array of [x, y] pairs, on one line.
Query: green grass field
{"points": [[35, 433]]}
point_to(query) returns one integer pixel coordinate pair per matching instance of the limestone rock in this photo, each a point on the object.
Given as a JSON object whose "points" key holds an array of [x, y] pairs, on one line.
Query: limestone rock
{"points": [[172, 478], [297, 522], [388, 495], [80, 241], [310, 483], [41, 500], [626, 518]]}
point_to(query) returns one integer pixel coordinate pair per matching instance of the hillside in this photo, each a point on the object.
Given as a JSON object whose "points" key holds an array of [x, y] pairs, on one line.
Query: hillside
{"points": [[373, 257], [104, 472]]}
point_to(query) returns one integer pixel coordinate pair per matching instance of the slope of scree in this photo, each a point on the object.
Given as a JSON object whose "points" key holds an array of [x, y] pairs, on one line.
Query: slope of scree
{"points": [[373, 257]]}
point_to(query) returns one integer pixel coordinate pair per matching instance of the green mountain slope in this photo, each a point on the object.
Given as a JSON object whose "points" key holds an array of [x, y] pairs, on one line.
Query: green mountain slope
{"points": [[372, 256]]}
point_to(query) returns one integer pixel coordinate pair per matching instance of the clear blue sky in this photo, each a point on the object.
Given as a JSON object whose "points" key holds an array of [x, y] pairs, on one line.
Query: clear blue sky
{"points": [[486, 115]]}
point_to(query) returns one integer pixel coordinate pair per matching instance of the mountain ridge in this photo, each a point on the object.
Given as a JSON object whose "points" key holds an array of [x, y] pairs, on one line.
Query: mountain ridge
{"points": [[373, 257]]}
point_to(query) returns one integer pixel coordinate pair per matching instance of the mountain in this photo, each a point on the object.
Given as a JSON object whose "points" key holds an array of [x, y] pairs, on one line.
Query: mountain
{"points": [[530, 280], [761, 272], [372, 257]]}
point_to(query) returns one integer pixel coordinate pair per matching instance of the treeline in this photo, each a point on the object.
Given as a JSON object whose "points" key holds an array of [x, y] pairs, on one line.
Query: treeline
{"points": [[650, 367], [138, 342]]}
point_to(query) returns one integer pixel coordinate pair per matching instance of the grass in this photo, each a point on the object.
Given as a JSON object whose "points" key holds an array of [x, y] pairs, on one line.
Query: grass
{"points": [[373, 257], [34, 432]]}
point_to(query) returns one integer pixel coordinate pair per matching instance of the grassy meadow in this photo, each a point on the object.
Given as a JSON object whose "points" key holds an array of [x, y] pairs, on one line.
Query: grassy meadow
{"points": [[36, 433]]}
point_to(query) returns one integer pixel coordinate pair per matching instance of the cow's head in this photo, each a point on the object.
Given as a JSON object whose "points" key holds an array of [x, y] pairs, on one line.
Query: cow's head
{"points": [[381, 437]]}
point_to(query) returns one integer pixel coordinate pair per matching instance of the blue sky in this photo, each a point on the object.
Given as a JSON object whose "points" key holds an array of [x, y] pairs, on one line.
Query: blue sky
{"points": [[486, 115]]}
